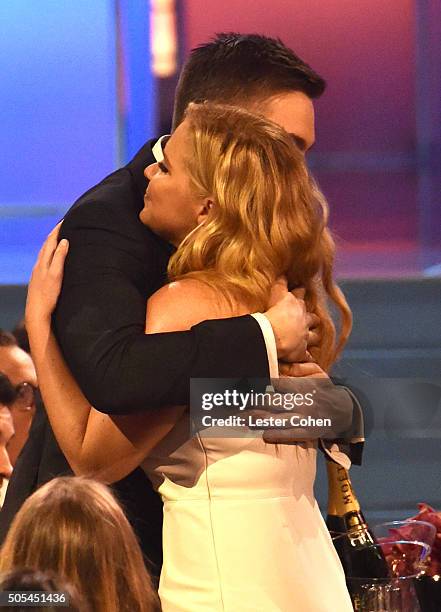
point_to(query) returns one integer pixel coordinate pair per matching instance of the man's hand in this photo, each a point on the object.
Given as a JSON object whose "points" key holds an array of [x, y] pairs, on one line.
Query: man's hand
{"points": [[329, 401], [292, 325], [299, 370]]}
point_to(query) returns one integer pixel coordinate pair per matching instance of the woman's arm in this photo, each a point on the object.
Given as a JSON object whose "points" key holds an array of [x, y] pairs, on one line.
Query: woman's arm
{"points": [[107, 448], [92, 442]]}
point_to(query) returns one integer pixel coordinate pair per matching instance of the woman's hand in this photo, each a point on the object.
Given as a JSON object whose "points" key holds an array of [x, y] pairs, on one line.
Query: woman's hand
{"points": [[47, 277]]}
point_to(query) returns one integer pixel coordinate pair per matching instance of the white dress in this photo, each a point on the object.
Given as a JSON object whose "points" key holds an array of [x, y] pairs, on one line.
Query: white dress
{"points": [[242, 529]]}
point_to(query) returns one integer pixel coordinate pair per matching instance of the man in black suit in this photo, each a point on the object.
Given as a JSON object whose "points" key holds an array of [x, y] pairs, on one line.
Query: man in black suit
{"points": [[115, 264]]}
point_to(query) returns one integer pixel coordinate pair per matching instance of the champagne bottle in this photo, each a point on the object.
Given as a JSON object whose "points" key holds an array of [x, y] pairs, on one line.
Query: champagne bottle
{"points": [[361, 559]]}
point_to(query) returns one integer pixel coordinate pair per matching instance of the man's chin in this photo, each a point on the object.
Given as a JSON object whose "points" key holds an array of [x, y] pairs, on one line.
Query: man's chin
{"points": [[143, 217]]}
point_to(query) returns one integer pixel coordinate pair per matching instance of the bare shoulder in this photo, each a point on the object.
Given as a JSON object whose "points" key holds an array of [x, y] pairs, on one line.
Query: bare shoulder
{"points": [[182, 304]]}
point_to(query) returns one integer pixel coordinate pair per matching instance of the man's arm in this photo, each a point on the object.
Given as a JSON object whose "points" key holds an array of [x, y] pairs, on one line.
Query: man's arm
{"points": [[100, 321], [84, 434]]}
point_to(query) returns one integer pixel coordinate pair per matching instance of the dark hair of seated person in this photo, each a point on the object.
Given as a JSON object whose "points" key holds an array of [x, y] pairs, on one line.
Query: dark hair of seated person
{"points": [[7, 390], [21, 335], [7, 339], [24, 580]]}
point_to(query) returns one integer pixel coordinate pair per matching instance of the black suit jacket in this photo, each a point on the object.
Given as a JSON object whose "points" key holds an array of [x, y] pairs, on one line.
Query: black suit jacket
{"points": [[114, 265]]}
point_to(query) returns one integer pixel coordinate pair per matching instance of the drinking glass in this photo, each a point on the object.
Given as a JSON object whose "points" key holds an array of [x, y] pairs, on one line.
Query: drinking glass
{"points": [[406, 561], [410, 530]]}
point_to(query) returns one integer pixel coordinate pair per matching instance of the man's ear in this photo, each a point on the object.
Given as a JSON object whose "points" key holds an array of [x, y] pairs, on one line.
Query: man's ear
{"points": [[205, 208]]}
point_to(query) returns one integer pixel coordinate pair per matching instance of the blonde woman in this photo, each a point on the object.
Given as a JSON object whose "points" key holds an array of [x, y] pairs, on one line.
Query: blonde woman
{"points": [[75, 528], [242, 529]]}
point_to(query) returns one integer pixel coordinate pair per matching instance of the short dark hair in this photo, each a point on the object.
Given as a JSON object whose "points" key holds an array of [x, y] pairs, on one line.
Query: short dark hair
{"points": [[21, 335], [8, 392], [7, 339], [242, 67]]}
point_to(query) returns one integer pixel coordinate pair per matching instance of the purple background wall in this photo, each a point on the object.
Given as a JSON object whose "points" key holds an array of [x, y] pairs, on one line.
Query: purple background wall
{"points": [[378, 154], [366, 154]]}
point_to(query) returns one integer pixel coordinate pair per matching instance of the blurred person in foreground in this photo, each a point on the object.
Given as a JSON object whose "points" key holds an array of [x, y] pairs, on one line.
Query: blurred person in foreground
{"points": [[115, 264], [48, 584], [75, 528], [232, 193]]}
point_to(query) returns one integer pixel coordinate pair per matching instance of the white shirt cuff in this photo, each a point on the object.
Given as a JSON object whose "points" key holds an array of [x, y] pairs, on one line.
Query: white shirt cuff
{"points": [[270, 343], [3, 490]]}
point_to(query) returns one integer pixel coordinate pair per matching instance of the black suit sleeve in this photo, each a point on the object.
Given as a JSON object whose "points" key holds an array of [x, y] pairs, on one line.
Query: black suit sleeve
{"points": [[100, 319]]}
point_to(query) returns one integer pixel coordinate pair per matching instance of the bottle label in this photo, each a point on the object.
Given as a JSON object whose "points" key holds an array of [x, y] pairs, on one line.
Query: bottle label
{"points": [[341, 496]]}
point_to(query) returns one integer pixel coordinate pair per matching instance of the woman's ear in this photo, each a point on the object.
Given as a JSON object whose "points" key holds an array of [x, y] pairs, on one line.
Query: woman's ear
{"points": [[205, 208]]}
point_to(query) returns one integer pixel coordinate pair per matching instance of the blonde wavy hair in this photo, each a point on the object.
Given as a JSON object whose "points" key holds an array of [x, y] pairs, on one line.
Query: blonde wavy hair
{"points": [[269, 219], [74, 527]]}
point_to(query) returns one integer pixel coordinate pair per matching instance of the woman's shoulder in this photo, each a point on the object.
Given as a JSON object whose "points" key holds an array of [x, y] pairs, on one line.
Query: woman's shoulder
{"points": [[184, 303], [181, 291]]}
